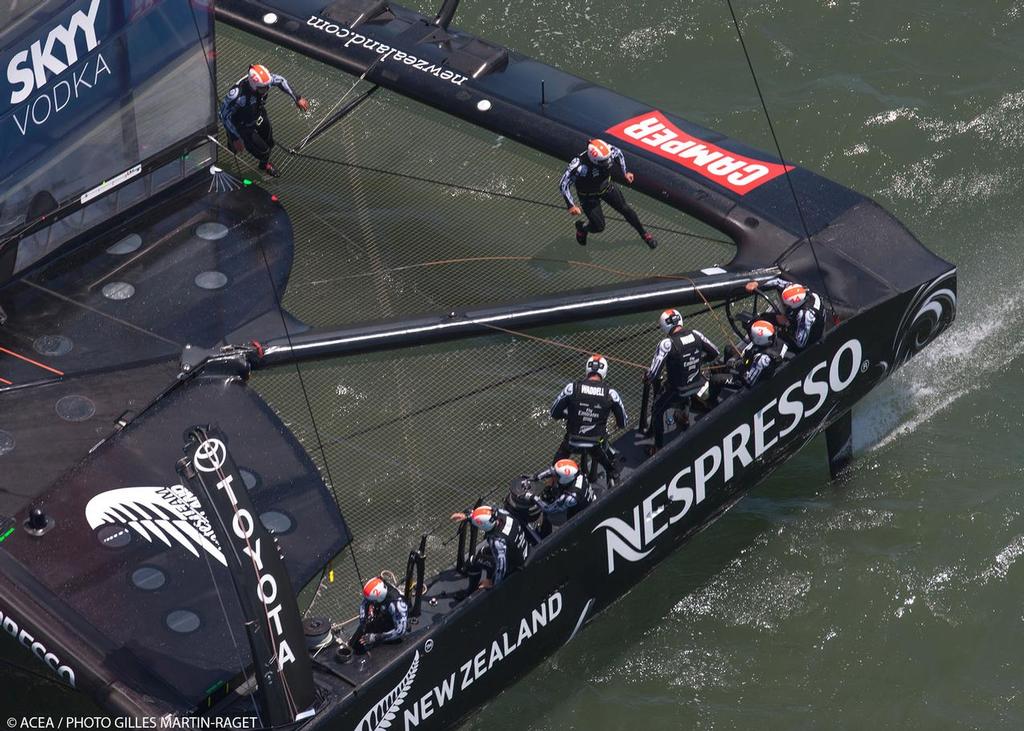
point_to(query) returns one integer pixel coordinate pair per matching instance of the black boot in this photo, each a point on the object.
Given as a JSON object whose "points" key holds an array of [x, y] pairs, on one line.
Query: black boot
{"points": [[269, 169], [650, 241], [581, 233]]}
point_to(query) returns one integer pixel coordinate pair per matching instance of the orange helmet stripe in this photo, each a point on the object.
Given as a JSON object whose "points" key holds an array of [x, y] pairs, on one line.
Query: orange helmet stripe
{"points": [[259, 73], [601, 147]]}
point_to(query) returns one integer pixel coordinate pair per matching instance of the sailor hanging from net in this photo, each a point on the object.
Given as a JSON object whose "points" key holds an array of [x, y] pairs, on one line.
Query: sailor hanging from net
{"points": [[591, 173], [244, 115]]}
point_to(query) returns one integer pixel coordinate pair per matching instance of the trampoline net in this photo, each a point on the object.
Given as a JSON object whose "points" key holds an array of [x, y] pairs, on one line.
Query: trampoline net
{"points": [[449, 217], [410, 211]]}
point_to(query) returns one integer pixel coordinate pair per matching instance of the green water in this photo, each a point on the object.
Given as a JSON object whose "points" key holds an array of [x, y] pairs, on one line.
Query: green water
{"points": [[891, 599]]}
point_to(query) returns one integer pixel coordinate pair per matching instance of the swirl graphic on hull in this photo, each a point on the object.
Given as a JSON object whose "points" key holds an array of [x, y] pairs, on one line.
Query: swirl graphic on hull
{"points": [[929, 314]]}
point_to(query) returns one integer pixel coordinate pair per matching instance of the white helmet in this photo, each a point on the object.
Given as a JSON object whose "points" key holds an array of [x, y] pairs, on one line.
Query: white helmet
{"points": [[484, 518], [259, 76], [762, 332], [794, 295], [566, 471], [597, 364], [670, 319], [599, 152], [375, 590]]}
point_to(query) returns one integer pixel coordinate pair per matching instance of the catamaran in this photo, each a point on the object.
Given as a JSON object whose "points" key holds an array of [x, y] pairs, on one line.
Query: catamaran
{"points": [[167, 535]]}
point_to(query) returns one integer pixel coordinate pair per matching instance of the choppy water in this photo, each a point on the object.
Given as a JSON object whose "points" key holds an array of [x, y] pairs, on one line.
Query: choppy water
{"points": [[891, 599]]}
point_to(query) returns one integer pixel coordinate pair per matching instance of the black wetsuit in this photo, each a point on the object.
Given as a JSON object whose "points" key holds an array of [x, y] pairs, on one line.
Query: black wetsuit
{"points": [[807, 322], [503, 551], [384, 622], [244, 116], [758, 362], [563, 500], [683, 352], [585, 405], [594, 184]]}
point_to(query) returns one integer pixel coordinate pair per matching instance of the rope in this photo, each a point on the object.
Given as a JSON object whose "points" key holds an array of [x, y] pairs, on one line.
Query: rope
{"points": [[485, 191], [785, 167], [564, 346]]}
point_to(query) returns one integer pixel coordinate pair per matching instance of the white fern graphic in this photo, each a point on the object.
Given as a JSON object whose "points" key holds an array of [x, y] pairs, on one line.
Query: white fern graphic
{"points": [[379, 717]]}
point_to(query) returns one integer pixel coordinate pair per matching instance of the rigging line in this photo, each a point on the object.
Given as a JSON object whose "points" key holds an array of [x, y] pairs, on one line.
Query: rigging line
{"points": [[496, 194], [466, 394], [563, 346], [102, 314], [305, 392], [785, 167], [243, 666], [36, 363], [306, 140]]}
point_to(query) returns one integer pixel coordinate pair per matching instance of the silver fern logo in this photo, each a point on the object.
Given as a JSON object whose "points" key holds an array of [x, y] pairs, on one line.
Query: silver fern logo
{"points": [[157, 513], [381, 716]]}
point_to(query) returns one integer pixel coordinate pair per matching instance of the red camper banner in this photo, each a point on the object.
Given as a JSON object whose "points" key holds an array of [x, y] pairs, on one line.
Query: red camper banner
{"points": [[653, 131]]}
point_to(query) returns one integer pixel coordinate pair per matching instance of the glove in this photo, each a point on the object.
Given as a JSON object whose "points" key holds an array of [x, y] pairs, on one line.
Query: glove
{"points": [[529, 495]]}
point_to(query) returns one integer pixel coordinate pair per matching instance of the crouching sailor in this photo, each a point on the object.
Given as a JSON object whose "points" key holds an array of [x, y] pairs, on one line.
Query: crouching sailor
{"points": [[591, 173], [503, 551], [763, 354], [585, 405], [244, 115], [567, 491], [804, 322], [383, 615], [682, 352]]}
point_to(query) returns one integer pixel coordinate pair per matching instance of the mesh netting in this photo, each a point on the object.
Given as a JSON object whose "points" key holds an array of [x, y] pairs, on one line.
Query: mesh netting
{"points": [[410, 436], [377, 243], [406, 437]]}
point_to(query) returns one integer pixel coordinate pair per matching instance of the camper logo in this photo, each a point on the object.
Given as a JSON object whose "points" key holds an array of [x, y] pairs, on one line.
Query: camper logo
{"points": [[654, 132], [165, 514]]}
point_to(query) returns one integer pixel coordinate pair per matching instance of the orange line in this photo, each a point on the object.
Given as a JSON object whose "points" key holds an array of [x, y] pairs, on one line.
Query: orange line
{"points": [[33, 362], [6, 382]]}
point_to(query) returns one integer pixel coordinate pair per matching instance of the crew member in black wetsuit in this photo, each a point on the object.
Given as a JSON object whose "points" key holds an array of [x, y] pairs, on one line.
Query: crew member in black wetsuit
{"points": [[567, 492], [762, 355], [244, 114], [591, 172], [585, 405], [805, 314], [505, 549], [383, 615], [682, 353]]}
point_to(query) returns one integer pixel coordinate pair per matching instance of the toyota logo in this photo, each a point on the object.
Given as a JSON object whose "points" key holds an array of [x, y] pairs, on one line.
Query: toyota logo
{"points": [[210, 456]]}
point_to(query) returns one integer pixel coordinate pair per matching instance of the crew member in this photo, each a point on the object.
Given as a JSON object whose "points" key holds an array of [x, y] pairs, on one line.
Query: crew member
{"points": [[244, 115], [505, 549], [591, 172], [567, 491], [762, 355], [681, 353], [805, 314], [585, 405], [383, 615]]}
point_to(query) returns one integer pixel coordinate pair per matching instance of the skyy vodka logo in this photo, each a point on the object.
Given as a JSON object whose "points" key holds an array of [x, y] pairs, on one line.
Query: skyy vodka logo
{"points": [[634, 539], [34, 69]]}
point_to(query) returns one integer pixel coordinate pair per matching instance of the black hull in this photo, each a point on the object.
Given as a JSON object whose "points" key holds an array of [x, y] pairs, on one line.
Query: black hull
{"points": [[459, 661]]}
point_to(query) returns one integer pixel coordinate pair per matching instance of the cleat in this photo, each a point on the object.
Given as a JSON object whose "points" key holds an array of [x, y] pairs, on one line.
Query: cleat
{"points": [[651, 242], [581, 234], [269, 169]]}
